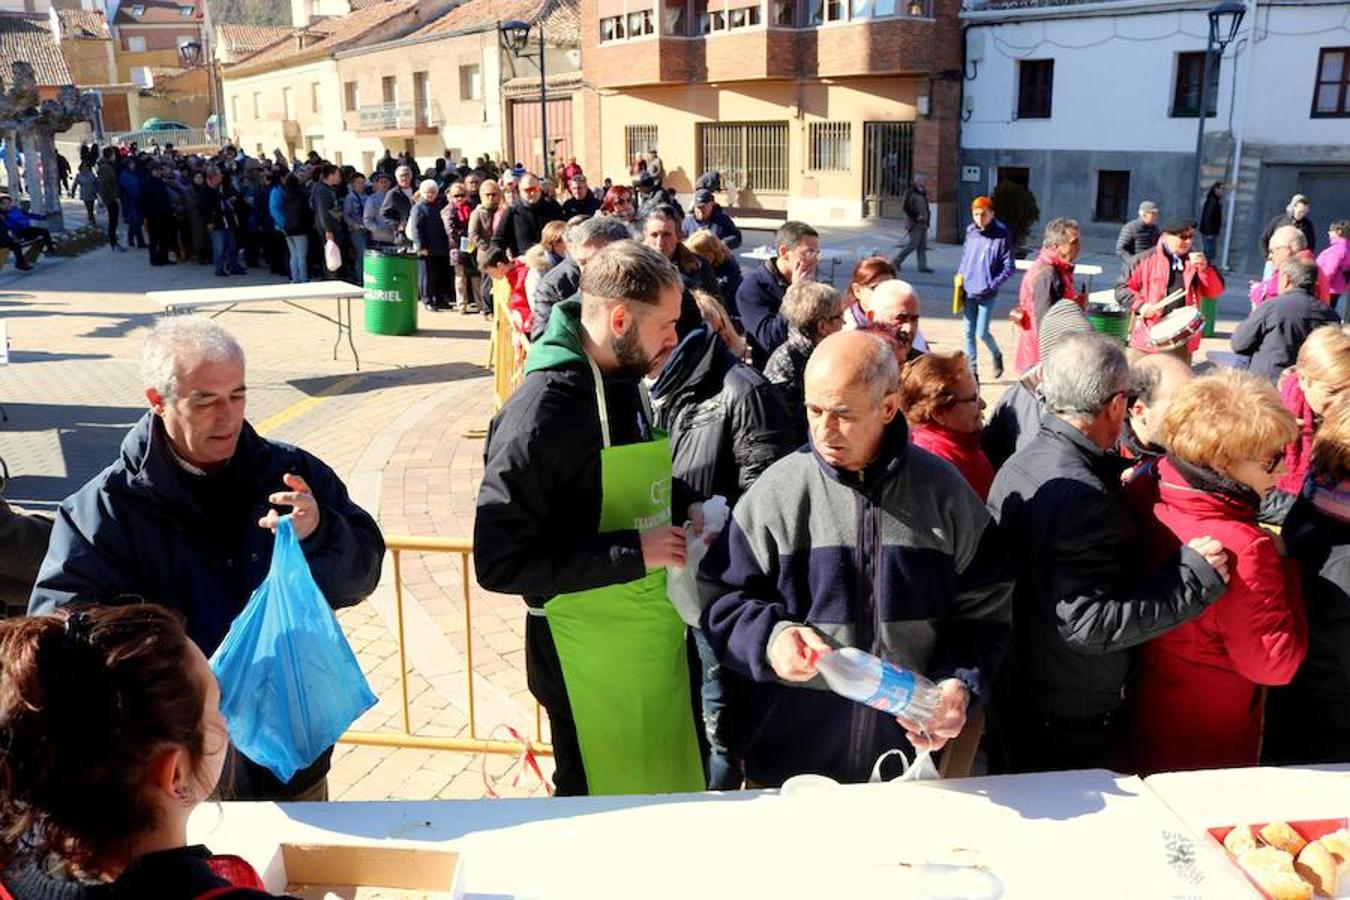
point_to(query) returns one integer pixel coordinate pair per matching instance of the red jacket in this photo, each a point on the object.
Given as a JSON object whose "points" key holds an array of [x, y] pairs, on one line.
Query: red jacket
{"points": [[1040, 289], [1148, 283], [961, 450], [1196, 704], [1299, 451]]}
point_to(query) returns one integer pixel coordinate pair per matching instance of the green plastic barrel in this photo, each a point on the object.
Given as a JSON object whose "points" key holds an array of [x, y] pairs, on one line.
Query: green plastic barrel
{"points": [[1209, 308], [1112, 324], [391, 293]]}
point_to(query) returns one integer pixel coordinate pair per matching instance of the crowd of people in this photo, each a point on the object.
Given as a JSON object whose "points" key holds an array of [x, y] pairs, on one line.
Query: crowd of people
{"points": [[1131, 565]]}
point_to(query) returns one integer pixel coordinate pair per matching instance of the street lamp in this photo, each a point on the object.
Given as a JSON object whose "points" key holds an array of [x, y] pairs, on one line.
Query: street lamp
{"points": [[515, 35], [194, 54], [1224, 22]]}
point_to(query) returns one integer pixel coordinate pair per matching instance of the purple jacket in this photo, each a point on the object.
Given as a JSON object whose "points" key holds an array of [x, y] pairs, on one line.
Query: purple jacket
{"points": [[986, 260]]}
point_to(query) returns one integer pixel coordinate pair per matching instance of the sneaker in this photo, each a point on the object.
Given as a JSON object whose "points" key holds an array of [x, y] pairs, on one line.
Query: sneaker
{"points": [[998, 367]]}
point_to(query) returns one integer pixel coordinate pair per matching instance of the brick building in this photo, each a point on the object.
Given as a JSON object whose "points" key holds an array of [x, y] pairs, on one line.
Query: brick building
{"points": [[151, 32], [813, 109]]}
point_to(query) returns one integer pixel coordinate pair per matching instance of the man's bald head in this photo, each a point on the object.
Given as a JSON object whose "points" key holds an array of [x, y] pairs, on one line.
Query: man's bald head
{"points": [[891, 299], [1285, 242], [1153, 381], [855, 357], [851, 396]]}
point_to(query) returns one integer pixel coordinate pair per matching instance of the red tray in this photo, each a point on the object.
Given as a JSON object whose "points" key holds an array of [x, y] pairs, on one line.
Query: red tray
{"points": [[1308, 829]]}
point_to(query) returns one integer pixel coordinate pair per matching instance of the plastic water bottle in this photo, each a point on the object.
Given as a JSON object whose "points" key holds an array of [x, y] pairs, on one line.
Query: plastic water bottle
{"points": [[863, 678]]}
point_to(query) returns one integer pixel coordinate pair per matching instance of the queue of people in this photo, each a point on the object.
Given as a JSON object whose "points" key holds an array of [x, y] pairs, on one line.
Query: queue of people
{"points": [[1087, 574]]}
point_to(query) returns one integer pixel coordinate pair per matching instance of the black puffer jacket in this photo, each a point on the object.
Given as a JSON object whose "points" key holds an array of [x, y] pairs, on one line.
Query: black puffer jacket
{"points": [[1320, 692], [1080, 602], [727, 424], [1275, 331]]}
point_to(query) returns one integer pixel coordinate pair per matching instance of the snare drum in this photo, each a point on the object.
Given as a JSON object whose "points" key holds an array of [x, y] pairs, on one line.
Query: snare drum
{"points": [[1176, 328]]}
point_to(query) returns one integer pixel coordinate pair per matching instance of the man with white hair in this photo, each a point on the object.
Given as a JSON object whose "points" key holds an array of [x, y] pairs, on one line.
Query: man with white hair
{"points": [[183, 517], [893, 307], [1287, 242], [1081, 602], [398, 202]]}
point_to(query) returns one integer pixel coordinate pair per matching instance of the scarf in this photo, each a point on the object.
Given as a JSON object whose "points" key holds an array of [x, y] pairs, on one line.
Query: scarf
{"points": [[1211, 482]]}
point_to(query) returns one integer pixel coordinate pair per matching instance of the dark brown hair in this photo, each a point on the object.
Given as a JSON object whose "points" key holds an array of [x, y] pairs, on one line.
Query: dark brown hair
{"points": [[869, 272], [928, 384], [88, 696]]}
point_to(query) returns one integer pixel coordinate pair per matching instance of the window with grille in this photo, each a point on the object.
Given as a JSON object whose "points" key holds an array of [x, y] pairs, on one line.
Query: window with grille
{"points": [[1186, 91], [1113, 196], [830, 146], [1331, 95], [750, 155], [640, 139], [1035, 84]]}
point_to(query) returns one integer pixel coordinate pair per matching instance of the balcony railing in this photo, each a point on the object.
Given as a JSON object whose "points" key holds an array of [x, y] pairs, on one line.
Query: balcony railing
{"points": [[395, 116]]}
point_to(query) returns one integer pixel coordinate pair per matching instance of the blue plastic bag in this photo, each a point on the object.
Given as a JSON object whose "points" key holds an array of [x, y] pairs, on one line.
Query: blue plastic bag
{"points": [[289, 682]]}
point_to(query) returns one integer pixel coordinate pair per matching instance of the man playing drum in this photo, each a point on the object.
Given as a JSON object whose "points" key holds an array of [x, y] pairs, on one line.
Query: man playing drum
{"points": [[1166, 285]]}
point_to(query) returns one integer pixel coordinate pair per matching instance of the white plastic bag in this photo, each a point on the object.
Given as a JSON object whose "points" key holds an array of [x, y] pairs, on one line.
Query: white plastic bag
{"points": [[332, 256], [922, 769], [682, 581]]}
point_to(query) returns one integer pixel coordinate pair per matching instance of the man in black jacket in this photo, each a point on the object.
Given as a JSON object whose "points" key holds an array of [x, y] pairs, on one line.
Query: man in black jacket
{"points": [[727, 424], [522, 224], [761, 293], [1080, 603], [1139, 235], [1296, 214], [1272, 335], [157, 208], [182, 518], [582, 202], [397, 204], [217, 200], [328, 224], [548, 527]]}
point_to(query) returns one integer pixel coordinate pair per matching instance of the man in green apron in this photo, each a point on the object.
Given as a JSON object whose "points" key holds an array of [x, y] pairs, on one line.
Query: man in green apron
{"points": [[574, 513]]}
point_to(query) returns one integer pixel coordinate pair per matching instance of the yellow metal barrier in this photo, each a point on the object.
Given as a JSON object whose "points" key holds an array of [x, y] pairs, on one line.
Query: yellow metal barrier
{"points": [[398, 545]]}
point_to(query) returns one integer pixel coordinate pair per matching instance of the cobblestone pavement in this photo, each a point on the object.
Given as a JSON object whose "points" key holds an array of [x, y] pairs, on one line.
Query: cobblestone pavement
{"points": [[397, 431]]}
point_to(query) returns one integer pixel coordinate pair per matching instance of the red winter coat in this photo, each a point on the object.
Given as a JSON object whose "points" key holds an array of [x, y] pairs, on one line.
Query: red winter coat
{"points": [[1040, 289], [1196, 704], [961, 450], [1299, 451], [1149, 282]]}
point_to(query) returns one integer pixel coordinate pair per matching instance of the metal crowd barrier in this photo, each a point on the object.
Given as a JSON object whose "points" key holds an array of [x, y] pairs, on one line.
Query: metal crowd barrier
{"points": [[407, 738]]}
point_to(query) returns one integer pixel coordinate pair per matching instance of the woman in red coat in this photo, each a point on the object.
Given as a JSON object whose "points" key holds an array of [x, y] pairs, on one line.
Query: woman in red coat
{"points": [[1197, 703], [942, 404]]}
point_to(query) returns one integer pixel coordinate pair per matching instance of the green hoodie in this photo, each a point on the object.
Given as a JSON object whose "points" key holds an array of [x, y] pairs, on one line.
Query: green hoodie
{"points": [[560, 347]]}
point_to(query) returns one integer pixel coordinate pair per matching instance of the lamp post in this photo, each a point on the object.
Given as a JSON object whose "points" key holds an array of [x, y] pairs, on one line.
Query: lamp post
{"points": [[515, 35], [1224, 22], [195, 54]]}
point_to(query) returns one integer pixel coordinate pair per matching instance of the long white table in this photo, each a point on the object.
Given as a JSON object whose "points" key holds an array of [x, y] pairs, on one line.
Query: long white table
{"points": [[1066, 834], [222, 300]]}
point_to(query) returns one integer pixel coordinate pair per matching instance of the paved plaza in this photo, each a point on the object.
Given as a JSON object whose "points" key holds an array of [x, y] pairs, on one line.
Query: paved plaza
{"points": [[399, 432]]}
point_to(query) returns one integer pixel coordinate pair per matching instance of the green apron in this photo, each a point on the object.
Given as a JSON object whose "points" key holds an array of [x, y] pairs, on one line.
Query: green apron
{"points": [[622, 647]]}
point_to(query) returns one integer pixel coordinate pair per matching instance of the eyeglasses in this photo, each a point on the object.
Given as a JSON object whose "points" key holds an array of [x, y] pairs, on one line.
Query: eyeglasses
{"points": [[532, 190]]}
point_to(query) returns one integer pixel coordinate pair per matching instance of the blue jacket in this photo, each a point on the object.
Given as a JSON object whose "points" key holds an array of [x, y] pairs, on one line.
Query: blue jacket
{"points": [[986, 260], [720, 224], [274, 206], [16, 219], [902, 560], [130, 187], [757, 300]]}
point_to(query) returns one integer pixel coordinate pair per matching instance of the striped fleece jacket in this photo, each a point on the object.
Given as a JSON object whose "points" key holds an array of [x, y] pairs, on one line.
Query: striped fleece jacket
{"points": [[901, 559]]}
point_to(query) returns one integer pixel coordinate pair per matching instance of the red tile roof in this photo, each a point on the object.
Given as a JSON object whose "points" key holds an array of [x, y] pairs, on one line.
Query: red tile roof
{"points": [[29, 39], [243, 39], [326, 36], [83, 25]]}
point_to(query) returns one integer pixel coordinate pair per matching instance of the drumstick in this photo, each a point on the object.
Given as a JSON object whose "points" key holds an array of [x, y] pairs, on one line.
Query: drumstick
{"points": [[1171, 300]]}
